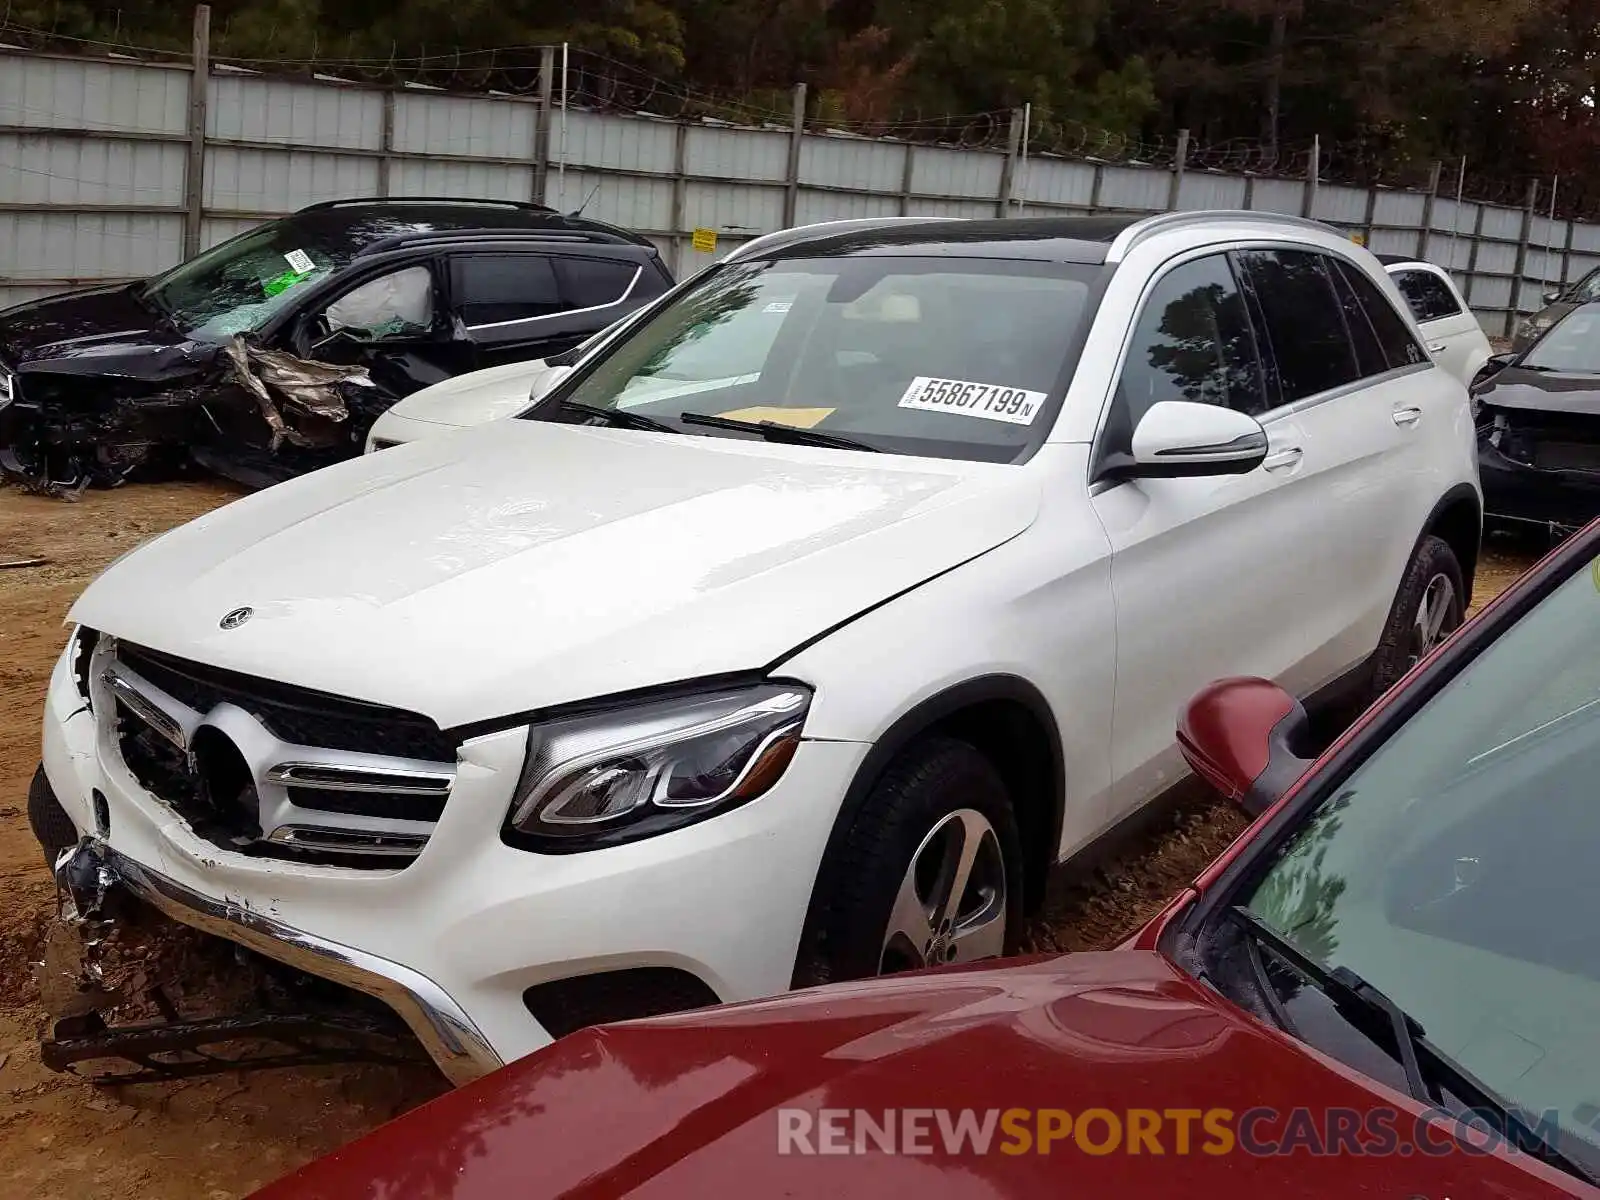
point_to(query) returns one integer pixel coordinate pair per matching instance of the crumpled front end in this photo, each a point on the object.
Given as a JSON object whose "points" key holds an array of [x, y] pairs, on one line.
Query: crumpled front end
{"points": [[254, 415], [1539, 467]]}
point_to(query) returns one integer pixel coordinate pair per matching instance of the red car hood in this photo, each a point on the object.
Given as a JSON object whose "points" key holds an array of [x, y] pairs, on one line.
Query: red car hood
{"points": [[688, 1106]]}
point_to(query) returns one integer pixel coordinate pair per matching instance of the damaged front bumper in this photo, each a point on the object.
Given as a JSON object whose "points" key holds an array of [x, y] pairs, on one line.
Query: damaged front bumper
{"points": [[93, 871], [1559, 501]]}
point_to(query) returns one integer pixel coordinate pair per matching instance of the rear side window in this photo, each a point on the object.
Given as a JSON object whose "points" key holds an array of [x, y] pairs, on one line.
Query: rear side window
{"points": [[1193, 342], [1304, 321], [595, 282], [1399, 347], [1428, 295], [494, 288]]}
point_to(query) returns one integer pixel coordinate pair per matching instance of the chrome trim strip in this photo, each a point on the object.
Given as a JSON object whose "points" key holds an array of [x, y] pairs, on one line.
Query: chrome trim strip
{"points": [[123, 689], [638, 272], [349, 841], [449, 1036], [331, 777]]}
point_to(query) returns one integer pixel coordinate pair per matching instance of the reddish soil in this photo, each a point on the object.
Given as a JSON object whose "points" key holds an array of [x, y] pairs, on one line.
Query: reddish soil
{"points": [[219, 1138]]}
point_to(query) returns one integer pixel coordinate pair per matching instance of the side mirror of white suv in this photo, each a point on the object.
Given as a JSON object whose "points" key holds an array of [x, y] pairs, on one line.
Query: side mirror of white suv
{"points": [[1178, 438]]}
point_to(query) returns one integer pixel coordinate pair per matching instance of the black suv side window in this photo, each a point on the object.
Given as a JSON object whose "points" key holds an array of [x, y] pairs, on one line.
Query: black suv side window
{"points": [[1399, 347], [1427, 294], [596, 282], [1193, 341], [493, 289], [1304, 322]]}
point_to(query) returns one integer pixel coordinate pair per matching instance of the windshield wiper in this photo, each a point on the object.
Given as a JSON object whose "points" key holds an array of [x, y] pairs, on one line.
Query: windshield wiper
{"points": [[1421, 1060], [619, 417], [777, 431]]}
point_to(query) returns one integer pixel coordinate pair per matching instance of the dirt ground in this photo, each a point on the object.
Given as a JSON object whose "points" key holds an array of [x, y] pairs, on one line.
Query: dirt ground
{"points": [[219, 1138]]}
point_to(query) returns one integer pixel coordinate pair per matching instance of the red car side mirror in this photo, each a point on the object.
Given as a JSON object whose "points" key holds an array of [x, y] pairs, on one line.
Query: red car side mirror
{"points": [[1247, 738]]}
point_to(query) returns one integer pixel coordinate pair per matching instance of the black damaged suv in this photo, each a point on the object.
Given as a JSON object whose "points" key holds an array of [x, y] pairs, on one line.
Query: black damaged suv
{"points": [[273, 352]]}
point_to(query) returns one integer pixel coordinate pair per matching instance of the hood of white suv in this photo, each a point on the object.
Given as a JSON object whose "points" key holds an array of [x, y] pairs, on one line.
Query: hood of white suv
{"points": [[527, 564]]}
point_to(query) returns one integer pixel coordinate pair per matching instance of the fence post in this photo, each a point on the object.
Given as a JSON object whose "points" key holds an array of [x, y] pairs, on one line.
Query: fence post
{"points": [[908, 170], [797, 133], [1249, 192], [680, 196], [541, 125], [1096, 185], [1370, 216], [1472, 255], [1180, 160], [1566, 255], [1008, 173], [1308, 203], [386, 143], [1428, 203], [1515, 309], [194, 178]]}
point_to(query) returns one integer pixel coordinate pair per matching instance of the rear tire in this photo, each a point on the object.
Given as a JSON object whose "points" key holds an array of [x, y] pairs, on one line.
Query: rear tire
{"points": [[51, 825], [939, 815], [1431, 605]]}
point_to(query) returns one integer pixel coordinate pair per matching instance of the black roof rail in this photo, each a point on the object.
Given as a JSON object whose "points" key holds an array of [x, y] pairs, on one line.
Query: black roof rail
{"points": [[476, 201], [437, 237]]}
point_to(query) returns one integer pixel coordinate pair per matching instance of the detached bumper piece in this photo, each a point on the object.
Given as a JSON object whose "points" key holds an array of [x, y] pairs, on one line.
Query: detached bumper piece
{"points": [[298, 1018]]}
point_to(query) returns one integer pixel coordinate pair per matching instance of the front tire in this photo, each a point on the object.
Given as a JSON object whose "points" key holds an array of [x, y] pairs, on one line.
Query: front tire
{"points": [[929, 873], [1431, 605]]}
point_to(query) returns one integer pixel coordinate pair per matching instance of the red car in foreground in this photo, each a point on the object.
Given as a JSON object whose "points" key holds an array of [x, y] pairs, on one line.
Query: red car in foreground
{"points": [[1389, 986]]}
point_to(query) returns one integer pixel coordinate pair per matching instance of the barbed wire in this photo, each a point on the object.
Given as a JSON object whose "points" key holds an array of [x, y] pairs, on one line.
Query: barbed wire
{"points": [[595, 81]]}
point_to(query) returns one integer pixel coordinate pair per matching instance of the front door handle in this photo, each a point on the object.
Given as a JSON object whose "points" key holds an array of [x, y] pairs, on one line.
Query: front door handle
{"points": [[1436, 348], [1283, 459], [1406, 417]]}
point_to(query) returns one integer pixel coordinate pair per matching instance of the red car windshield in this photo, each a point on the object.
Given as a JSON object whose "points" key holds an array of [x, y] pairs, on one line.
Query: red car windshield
{"points": [[1454, 868]]}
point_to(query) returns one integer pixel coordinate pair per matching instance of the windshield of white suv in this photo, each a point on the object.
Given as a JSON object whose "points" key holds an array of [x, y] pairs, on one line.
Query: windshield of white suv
{"points": [[1455, 870], [952, 358], [1571, 346]]}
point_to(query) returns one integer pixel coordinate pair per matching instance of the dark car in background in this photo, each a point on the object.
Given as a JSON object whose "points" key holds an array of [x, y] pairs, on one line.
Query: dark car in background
{"points": [[1538, 418], [1385, 987], [273, 352], [1558, 302]]}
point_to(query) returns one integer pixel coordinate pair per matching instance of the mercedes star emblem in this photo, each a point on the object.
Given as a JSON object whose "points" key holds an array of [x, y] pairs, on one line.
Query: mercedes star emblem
{"points": [[236, 618]]}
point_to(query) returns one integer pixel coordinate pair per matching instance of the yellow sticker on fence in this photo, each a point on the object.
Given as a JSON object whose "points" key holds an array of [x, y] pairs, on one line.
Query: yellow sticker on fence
{"points": [[1358, 238], [704, 240]]}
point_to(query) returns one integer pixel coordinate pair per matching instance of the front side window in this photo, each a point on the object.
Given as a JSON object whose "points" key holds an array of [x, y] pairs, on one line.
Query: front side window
{"points": [[956, 358], [1193, 342], [1455, 869], [1428, 295], [1571, 345], [1310, 344]]}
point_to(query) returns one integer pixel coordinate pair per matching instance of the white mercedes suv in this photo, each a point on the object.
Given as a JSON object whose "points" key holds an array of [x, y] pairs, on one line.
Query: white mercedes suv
{"points": [[794, 636]]}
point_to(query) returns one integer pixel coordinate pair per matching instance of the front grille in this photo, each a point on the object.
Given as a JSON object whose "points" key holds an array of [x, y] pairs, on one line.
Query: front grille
{"points": [[295, 714], [348, 784], [395, 806]]}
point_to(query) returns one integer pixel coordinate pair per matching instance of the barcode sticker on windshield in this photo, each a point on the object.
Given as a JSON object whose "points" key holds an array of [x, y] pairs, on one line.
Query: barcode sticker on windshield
{"points": [[1018, 406], [300, 261]]}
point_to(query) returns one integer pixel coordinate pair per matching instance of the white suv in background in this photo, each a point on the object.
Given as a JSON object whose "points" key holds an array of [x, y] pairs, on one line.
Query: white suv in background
{"points": [[1451, 333], [794, 636]]}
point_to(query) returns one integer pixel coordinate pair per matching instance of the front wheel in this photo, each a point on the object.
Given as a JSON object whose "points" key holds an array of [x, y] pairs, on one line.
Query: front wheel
{"points": [[929, 873], [1431, 605]]}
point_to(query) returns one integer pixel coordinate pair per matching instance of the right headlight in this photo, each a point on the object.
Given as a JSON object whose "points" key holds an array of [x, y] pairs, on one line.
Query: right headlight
{"points": [[601, 779]]}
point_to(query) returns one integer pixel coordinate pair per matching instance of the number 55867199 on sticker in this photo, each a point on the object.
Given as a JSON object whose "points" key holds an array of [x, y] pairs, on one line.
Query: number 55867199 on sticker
{"points": [[1017, 406]]}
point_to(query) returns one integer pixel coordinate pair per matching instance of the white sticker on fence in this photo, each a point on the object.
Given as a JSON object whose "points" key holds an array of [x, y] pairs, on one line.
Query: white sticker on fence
{"points": [[1018, 406]]}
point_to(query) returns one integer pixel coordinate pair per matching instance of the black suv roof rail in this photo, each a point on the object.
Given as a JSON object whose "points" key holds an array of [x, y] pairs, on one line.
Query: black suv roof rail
{"points": [[475, 201], [448, 237]]}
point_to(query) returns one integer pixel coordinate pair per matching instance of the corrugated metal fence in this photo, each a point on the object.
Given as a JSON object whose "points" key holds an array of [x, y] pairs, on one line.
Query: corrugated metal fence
{"points": [[110, 169]]}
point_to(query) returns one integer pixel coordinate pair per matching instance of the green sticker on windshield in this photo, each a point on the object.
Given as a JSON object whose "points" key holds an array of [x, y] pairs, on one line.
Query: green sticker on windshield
{"points": [[281, 283]]}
